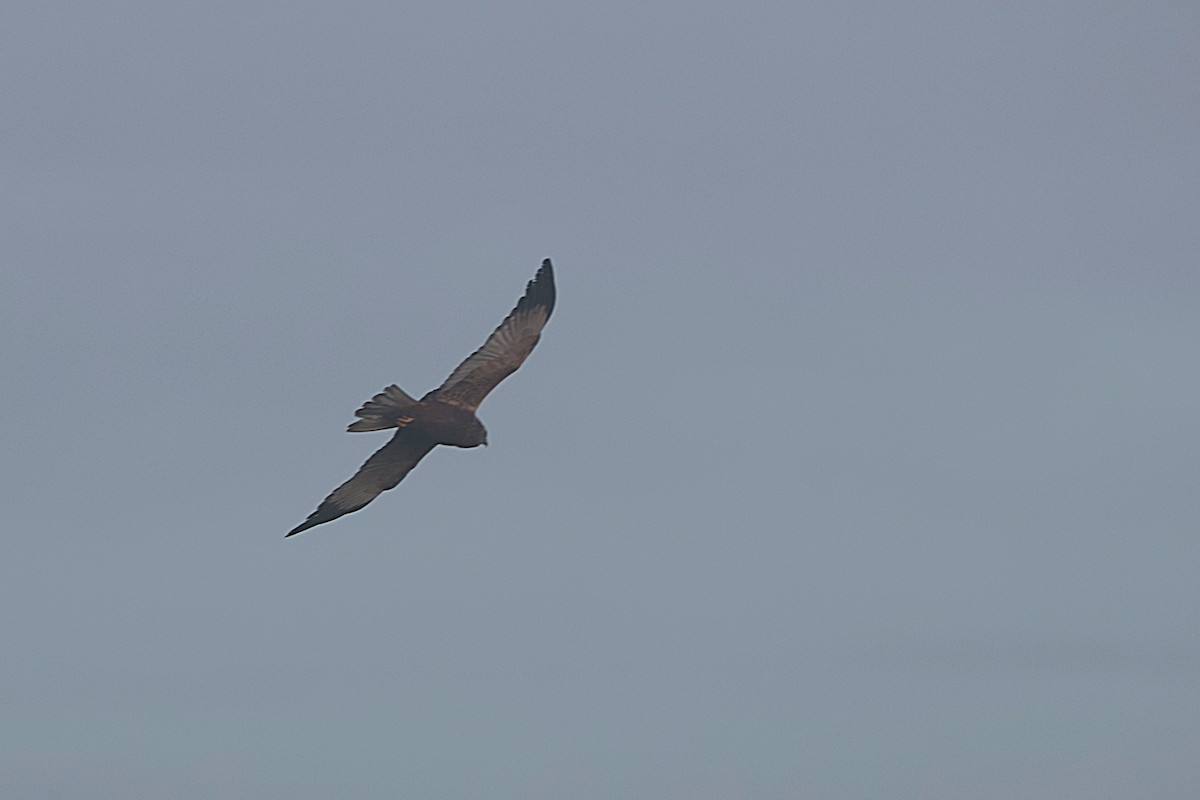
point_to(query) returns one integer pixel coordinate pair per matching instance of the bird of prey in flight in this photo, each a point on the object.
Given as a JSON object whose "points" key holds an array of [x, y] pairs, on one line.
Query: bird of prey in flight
{"points": [[445, 415]]}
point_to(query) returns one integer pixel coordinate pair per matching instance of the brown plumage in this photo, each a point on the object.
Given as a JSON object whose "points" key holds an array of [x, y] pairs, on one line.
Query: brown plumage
{"points": [[445, 415]]}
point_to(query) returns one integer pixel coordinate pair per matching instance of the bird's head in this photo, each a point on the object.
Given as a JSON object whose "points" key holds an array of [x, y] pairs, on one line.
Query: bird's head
{"points": [[471, 435]]}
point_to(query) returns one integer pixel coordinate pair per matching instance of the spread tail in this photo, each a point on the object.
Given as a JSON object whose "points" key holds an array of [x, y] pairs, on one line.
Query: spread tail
{"points": [[380, 412]]}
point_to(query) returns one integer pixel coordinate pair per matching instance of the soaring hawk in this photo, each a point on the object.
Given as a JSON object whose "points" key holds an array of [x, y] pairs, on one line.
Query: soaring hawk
{"points": [[444, 416]]}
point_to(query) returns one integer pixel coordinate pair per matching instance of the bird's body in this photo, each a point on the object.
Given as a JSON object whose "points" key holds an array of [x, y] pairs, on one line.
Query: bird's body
{"points": [[445, 415], [440, 423]]}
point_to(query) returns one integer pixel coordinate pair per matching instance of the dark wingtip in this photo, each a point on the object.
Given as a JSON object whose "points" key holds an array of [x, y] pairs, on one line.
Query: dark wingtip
{"points": [[313, 521], [328, 511], [540, 291]]}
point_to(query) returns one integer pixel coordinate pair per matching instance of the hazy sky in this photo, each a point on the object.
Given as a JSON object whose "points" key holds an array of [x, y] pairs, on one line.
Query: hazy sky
{"points": [[861, 458]]}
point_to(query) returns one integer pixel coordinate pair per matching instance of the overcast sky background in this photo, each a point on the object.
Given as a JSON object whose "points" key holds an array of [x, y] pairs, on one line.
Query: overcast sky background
{"points": [[860, 459]]}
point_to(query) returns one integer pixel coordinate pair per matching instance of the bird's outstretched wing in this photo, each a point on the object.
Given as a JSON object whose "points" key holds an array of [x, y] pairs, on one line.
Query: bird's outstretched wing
{"points": [[382, 471], [505, 350]]}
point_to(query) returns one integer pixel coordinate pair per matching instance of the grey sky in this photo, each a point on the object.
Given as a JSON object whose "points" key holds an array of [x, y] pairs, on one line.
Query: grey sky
{"points": [[859, 460]]}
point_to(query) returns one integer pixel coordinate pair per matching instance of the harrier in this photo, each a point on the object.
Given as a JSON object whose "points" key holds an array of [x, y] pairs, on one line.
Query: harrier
{"points": [[444, 416]]}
